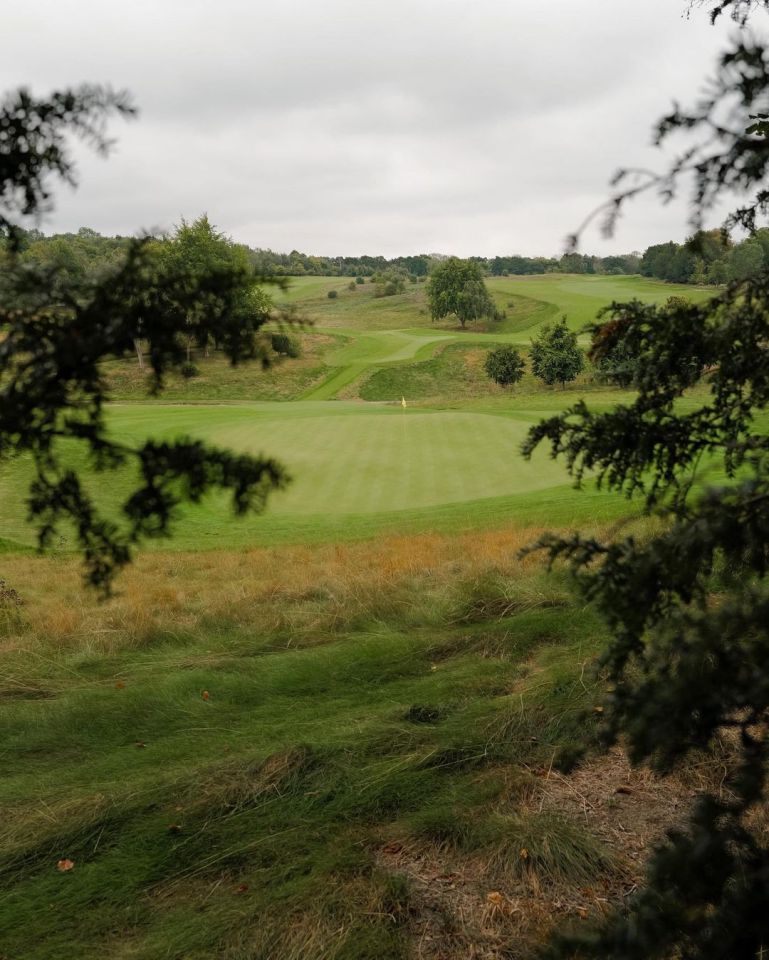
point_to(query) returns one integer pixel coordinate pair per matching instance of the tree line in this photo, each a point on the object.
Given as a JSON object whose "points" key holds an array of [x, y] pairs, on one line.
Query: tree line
{"points": [[706, 257], [87, 252]]}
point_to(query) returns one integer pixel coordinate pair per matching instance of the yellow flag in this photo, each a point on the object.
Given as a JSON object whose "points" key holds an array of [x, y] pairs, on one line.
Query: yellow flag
{"points": [[403, 402]]}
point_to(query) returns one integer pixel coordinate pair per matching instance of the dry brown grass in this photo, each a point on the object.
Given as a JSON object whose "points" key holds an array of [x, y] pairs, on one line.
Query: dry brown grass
{"points": [[290, 589]]}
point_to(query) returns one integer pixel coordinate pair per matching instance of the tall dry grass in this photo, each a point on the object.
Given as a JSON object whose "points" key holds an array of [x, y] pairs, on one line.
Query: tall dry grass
{"points": [[293, 589]]}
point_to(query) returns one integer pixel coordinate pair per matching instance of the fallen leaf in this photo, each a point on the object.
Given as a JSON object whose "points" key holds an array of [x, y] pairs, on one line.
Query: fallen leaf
{"points": [[140, 743], [174, 828], [205, 695], [597, 709], [242, 888], [495, 897], [524, 853], [64, 865], [120, 685]]}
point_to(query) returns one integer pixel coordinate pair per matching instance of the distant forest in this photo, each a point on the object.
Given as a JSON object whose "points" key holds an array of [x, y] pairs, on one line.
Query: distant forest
{"points": [[708, 257]]}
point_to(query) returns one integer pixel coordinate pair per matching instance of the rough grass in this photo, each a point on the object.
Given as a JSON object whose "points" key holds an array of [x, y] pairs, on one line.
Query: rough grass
{"points": [[456, 370], [287, 379], [224, 749]]}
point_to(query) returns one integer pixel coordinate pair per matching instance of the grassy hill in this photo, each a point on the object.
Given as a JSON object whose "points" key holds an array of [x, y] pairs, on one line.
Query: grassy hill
{"points": [[528, 301], [354, 343]]}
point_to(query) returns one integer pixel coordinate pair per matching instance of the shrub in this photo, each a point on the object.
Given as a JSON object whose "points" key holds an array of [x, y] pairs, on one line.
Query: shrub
{"points": [[555, 356], [360, 280], [332, 294], [189, 370], [284, 345], [504, 365]]}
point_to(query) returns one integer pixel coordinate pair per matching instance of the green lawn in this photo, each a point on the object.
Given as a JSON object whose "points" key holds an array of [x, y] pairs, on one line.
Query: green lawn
{"points": [[357, 469], [580, 297]]}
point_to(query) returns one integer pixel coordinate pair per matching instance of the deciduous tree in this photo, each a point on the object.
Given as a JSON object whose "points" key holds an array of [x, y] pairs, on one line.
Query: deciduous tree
{"points": [[457, 287], [555, 356], [504, 366]]}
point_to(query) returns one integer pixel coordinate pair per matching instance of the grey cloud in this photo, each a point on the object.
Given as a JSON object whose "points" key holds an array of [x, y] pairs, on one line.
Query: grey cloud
{"points": [[337, 126]]}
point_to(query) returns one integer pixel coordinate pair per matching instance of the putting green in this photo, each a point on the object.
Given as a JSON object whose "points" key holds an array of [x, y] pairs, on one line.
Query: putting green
{"points": [[357, 469], [378, 462]]}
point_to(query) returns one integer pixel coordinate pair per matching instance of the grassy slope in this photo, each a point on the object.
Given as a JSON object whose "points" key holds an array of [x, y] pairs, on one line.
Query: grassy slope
{"points": [[374, 324], [223, 750], [219, 380], [370, 333], [528, 302], [456, 374]]}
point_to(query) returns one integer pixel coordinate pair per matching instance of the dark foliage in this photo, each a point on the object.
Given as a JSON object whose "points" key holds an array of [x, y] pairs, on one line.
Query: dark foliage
{"points": [[688, 607], [57, 329], [504, 366], [285, 345], [33, 144], [555, 356], [728, 153]]}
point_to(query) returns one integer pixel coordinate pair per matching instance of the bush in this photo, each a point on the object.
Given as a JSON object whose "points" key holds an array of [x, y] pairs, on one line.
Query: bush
{"points": [[360, 280], [351, 285], [284, 345], [504, 365], [389, 282], [188, 370], [555, 356], [332, 294]]}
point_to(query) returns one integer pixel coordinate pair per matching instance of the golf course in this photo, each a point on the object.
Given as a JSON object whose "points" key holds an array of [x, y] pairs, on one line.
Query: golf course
{"points": [[332, 730], [384, 481], [360, 461]]}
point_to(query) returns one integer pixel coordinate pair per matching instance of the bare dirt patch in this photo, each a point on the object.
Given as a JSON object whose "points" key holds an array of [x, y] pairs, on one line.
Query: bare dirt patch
{"points": [[462, 906]]}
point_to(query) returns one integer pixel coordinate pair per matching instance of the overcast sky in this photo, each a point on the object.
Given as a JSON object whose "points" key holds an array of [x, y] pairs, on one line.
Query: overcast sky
{"points": [[347, 127]]}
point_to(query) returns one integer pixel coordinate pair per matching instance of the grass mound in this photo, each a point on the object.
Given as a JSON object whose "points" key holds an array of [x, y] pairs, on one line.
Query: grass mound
{"points": [[457, 371]]}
